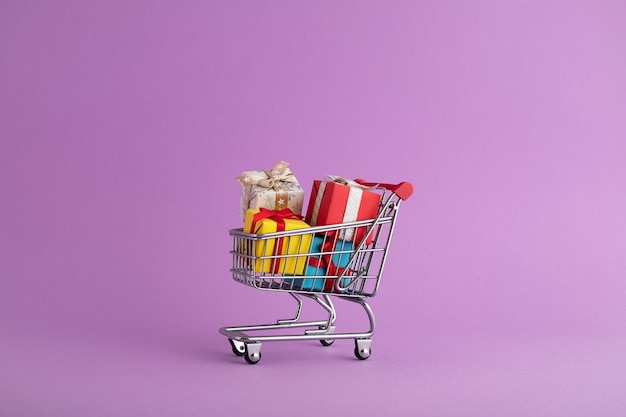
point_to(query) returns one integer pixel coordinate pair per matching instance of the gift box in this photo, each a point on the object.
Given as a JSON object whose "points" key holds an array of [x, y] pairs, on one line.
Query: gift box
{"points": [[273, 189], [337, 200], [264, 221], [329, 257]]}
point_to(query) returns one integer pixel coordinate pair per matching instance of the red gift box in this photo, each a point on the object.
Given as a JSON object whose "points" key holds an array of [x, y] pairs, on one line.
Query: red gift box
{"points": [[333, 202]]}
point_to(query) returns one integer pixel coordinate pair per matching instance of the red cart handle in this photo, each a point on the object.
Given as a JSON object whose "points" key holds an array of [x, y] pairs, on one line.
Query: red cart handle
{"points": [[402, 189]]}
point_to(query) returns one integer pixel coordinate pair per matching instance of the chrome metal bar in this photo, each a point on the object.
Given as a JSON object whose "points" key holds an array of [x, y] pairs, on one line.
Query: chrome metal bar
{"points": [[327, 304], [298, 311]]}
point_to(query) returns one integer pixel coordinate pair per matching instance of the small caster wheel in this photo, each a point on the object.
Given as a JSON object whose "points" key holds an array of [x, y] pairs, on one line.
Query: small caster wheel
{"points": [[252, 354], [252, 358], [362, 348], [327, 330], [239, 348], [362, 354], [327, 342]]}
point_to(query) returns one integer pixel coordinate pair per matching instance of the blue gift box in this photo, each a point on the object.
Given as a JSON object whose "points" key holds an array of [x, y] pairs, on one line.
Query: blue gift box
{"points": [[337, 260]]}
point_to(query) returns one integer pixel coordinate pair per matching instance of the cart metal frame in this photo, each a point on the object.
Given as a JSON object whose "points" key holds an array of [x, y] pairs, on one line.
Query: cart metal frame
{"points": [[357, 280]]}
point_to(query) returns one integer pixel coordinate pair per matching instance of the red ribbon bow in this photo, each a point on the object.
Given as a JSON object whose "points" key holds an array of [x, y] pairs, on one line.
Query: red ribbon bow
{"points": [[279, 216]]}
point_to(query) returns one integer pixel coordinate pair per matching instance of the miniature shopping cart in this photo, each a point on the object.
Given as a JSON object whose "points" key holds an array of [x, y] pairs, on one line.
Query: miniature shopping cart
{"points": [[333, 269]]}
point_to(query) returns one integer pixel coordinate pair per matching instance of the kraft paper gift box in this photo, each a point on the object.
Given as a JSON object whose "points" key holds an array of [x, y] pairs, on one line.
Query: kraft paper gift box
{"points": [[264, 221], [323, 262], [337, 200], [273, 189]]}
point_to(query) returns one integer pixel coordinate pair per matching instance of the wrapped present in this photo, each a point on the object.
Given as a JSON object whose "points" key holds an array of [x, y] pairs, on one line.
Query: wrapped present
{"points": [[264, 221], [337, 200], [273, 189], [329, 257]]}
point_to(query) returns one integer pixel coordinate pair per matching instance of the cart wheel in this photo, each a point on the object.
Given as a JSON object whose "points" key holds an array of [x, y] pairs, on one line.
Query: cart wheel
{"points": [[252, 358], [239, 348], [362, 354], [327, 342], [252, 354], [362, 348]]}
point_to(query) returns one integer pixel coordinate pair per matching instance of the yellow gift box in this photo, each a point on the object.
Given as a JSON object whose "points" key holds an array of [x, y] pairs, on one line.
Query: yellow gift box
{"points": [[274, 252]]}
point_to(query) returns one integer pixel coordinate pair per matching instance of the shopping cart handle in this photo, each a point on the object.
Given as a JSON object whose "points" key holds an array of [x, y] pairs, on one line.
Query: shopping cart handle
{"points": [[402, 189]]}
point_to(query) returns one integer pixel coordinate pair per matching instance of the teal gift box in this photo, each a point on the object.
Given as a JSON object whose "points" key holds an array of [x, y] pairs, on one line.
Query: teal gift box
{"points": [[324, 262]]}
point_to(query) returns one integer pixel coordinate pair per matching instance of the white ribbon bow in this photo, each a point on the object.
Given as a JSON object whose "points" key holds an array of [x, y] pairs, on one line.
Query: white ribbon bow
{"points": [[275, 178], [345, 181]]}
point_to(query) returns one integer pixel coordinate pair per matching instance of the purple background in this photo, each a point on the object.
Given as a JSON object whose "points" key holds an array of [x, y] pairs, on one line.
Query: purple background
{"points": [[122, 124]]}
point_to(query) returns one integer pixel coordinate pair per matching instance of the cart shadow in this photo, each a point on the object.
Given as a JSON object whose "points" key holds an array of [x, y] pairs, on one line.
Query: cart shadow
{"points": [[287, 354], [206, 352], [201, 349]]}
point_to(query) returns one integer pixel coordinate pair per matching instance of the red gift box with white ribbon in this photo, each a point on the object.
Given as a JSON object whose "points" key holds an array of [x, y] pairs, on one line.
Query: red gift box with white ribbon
{"points": [[337, 200]]}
